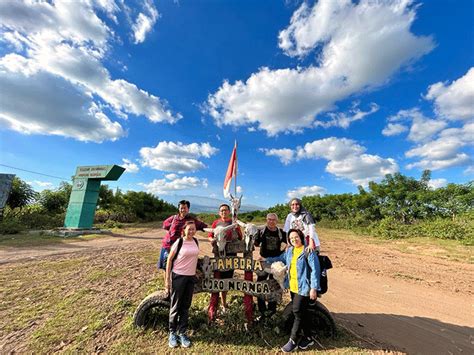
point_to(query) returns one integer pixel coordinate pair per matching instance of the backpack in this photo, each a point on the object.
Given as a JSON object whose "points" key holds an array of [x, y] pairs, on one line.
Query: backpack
{"points": [[325, 264]]}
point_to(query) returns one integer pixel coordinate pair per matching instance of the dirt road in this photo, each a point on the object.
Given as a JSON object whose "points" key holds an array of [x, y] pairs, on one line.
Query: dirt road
{"points": [[393, 300]]}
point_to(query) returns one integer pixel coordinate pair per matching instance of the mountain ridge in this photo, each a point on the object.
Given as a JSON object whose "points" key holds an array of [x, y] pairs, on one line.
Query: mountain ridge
{"points": [[204, 204]]}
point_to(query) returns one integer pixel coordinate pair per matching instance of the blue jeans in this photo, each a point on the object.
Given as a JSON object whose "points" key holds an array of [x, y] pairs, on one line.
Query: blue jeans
{"points": [[161, 264]]}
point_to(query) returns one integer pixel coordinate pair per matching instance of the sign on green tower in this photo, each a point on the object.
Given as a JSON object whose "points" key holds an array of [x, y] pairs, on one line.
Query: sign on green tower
{"points": [[85, 193]]}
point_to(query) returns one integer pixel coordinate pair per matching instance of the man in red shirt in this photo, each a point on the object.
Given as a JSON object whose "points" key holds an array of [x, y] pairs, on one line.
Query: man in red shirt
{"points": [[174, 226], [232, 234]]}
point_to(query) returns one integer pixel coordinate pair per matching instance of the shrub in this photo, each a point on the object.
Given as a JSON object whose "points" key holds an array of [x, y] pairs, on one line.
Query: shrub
{"points": [[207, 218], [123, 216], [161, 216], [389, 228], [445, 228], [10, 226], [101, 216], [112, 224], [33, 217], [42, 220]]}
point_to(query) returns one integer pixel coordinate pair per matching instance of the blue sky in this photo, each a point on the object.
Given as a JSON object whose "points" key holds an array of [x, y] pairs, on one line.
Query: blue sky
{"points": [[321, 96]]}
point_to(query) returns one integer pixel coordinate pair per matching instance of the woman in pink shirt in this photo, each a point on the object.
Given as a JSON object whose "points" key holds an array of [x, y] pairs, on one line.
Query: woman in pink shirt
{"points": [[179, 280]]}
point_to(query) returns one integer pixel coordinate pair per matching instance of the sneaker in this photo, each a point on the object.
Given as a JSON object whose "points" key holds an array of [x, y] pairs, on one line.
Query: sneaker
{"points": [[305, 343], [173, 340], [289, 347], [184, 340]]}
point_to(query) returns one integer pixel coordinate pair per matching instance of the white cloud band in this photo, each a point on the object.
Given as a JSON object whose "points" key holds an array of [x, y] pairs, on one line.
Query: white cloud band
{"points": [[346, 159], [176, 157], [289, 100]]}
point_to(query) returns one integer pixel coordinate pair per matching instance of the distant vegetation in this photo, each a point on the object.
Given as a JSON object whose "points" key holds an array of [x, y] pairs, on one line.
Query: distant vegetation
{"points": [[28, 209], [397, 207]]}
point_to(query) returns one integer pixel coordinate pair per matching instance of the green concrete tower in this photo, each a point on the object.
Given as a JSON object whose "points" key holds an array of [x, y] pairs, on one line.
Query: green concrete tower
{"points": [[85, 193]]}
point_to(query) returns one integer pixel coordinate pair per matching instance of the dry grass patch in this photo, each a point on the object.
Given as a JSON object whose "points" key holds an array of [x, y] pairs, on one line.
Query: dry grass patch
{"points": [[442, 248]]}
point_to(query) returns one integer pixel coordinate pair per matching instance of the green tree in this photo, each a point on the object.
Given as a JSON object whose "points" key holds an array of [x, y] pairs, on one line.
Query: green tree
{"points": [[401, 197], [56, 201], [106, 197], [21, 194], [281, 211], [454, 199], [144, 205]]}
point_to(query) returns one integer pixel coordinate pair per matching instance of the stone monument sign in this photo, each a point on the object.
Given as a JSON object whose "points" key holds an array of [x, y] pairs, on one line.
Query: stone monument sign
{"points": [[5, 188], [85, 193]]}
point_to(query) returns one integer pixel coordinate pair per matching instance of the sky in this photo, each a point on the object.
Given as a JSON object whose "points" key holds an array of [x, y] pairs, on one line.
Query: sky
{"points": [[321, 97]]}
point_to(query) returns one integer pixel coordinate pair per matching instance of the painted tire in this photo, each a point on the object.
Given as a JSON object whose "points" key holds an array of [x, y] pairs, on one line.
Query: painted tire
{"points": [[322, 322], [156, 301]]}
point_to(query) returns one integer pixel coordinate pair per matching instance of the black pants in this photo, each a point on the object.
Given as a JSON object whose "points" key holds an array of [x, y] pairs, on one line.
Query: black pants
{"points": [[182, 288], [262, 307], [302, 321]]}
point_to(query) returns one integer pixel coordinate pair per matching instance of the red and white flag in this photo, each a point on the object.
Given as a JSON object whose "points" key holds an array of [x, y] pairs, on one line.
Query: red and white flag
{"points": [[231, 172]]}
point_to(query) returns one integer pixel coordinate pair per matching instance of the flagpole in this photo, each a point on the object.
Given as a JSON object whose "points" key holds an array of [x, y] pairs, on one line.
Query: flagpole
{"points": [[236, 162]]}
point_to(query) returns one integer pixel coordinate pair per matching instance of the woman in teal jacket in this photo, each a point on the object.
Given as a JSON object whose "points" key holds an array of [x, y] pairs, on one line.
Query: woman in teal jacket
{"points": [[303, 281]]}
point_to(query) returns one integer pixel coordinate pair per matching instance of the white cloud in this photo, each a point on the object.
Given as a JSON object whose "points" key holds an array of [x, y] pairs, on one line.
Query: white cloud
{"points": [[41, 185], [444, 151], [168, 186], [362, 169], [27, 20], [66, 43], [346, 159], [171, 176], [43, 103], [145, 22], [239, 189], [437, 183], [308, 26], [433, 164], [289, 100], [180, 165], [422, 128], [331, 148], [440, 141], [469, 170], [306, 191], [393, 129], [455, 101], [130, 166], [176, 157], [344, 120], [285, 155]]}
